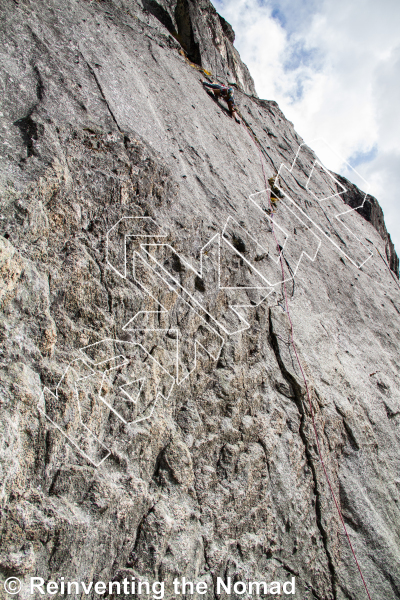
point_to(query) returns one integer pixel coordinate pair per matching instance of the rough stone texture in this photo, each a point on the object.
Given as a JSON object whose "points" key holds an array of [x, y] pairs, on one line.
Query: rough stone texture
{"points": [[372, 212], [205, 36], [103, 118]]}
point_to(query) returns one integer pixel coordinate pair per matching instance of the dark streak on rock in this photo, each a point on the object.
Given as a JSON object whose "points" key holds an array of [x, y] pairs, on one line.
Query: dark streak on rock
{"points": [[298, 398]]}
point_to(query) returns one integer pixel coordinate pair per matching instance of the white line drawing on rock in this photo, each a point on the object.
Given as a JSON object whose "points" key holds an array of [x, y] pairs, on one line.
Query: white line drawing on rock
{"points": [[87, 375], [154, 259], [195, 300], [122, 231], [134, 325], [357, 252], [307, 247]]}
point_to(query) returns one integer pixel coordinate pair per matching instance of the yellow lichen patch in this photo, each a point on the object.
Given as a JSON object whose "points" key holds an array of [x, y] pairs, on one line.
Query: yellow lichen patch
{"points": [[49, 338], [10, 271]]}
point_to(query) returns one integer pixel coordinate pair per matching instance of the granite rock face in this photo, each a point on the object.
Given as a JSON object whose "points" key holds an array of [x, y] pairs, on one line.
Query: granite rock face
{"points": [[205, 36], [154, 418], [372, 212]]}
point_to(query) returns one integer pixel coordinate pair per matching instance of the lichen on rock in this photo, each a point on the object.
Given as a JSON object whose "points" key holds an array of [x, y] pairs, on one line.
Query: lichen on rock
{"points": [[155, 422]]}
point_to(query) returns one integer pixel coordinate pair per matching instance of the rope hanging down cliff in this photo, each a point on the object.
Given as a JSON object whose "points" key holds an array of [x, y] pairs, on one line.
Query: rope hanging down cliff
{"points": [[293, 344], [255, 141]]}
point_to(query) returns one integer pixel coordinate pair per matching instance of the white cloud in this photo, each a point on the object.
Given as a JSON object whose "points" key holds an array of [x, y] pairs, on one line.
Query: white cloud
{"points": [[333, 66]]}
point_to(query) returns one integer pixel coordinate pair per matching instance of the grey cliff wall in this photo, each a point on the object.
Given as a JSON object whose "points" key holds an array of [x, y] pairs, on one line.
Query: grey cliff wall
{"points": [[372, 212], [149, 430]]}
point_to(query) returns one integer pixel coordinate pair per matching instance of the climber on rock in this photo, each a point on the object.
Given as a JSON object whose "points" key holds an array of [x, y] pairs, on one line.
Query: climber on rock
{"points": [[225, 92]]}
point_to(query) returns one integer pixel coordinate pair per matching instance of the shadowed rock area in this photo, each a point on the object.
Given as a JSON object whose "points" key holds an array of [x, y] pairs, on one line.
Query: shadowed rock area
{"points": [[155, 421]]}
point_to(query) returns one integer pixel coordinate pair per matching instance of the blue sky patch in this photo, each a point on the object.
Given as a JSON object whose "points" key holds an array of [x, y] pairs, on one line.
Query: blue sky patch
{"points": [[279, 16], [293, 16], [299, 56], [360, 157]]}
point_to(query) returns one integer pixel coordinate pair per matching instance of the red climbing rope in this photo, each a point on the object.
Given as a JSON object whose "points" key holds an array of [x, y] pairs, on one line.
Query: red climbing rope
{"points": [[301, 367]]}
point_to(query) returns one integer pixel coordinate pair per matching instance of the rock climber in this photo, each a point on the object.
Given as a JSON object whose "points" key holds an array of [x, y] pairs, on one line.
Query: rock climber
{"points": [[225, 92]]}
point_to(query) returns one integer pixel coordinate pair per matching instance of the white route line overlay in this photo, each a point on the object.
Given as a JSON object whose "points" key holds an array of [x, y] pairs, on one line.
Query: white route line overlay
{"points": [[338, 215], [194, 303], [127, 326], [95, 369], [216, 238]]}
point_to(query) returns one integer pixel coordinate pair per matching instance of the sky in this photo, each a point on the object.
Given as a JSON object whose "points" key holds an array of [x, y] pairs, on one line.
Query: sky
{"points": [[333, 66]]}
